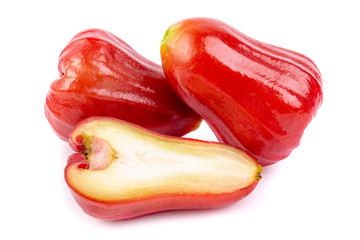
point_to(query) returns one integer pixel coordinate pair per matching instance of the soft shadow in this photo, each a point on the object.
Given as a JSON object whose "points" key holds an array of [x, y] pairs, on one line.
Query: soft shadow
{"points": [[272, 170], [159, 218]]}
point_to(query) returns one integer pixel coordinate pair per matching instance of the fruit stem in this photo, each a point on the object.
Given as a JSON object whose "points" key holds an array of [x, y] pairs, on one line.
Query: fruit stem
{"points": [[258, 175], [166, 35]]}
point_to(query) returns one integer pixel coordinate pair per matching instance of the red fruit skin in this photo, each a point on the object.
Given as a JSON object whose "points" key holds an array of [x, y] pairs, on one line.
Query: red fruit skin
{"points": [[101, 75], [254, 96], [124, 210]]}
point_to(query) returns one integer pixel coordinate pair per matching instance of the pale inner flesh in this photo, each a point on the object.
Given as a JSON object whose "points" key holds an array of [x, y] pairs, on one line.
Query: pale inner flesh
{"points": [[142, 165]]}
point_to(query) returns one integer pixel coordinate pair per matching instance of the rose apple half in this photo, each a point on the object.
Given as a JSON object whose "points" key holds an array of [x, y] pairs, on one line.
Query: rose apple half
{"points": [[101, 75], [125, 171], [254, 96]]}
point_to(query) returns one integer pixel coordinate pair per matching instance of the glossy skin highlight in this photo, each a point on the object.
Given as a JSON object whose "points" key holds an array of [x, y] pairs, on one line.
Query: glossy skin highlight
{"points": [[255, 96], [101, 75]]}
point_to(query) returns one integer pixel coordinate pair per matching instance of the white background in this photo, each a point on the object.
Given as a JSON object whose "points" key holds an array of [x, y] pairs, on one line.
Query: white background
{"points": [[313, 194]]}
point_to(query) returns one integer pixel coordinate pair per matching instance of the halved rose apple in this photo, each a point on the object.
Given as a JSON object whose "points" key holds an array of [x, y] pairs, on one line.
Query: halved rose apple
{"points": [[124, 171]]}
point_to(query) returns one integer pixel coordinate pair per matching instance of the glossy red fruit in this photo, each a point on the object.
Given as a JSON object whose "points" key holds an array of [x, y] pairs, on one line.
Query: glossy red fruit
{"points": [[253, 95], [101, 75], [124, 171]]}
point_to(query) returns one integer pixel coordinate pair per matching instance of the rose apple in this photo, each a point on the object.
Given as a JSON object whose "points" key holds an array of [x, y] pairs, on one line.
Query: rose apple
{"points": [[255, 96], [124, 171], [101, 75]]}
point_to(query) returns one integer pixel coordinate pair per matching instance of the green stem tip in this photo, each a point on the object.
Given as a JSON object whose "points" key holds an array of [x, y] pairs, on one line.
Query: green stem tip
{"points": [[166, 35]]}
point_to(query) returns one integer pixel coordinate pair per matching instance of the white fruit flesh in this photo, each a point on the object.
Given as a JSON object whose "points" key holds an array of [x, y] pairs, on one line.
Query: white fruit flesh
{"points": [[140, 164]]}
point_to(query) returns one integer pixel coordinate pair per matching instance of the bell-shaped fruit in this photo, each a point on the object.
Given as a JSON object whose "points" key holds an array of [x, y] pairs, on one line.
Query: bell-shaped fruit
{"points": [[124, 171], [255, 96], [101, 75]]}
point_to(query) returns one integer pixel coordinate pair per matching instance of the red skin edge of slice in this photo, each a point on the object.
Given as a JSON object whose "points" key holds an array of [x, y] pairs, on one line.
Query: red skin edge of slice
{"points": [[130, 209]]}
